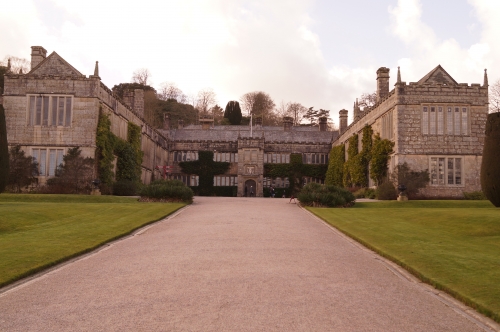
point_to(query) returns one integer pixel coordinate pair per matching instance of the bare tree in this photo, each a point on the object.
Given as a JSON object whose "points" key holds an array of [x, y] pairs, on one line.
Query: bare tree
{"points": [[367, 100], [16, 64], [205, 100], [141, 76], [283, 109], [258, 103], [169, 90], [297, 111], [494, 97]]}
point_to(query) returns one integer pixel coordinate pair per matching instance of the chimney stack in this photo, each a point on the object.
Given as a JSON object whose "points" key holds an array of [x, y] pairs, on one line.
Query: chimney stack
{"points": [[38, 54], [180, 124], [323, 123], [287, 123], [382, 83], [342, 120], [166, 122]]}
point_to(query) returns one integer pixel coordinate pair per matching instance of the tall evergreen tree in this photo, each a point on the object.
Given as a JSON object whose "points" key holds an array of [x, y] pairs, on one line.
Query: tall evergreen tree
{"points": [[4, 151], [233, 112]]}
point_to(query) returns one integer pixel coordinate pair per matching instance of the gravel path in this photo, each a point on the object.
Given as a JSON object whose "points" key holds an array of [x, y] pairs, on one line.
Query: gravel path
{"points": [[232, 264]]}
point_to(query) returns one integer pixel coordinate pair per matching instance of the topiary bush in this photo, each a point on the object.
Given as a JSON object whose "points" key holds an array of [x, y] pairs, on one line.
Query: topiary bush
{"points": [[490, 166], [474, 196], [125, 188], [314, 194], [386, 191], [167, 191], [365, 193]]}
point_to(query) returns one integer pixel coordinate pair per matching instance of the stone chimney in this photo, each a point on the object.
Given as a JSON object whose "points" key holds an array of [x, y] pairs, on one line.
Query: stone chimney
{"points": [[38, 54], [382, 83], [206, 121], [323, 123], [135, 100], [287, 123], [342, 121], [166, 122], [180, 124]]}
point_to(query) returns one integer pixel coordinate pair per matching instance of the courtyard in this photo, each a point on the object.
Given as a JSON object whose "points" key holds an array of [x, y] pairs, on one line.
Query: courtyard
{"points": [[226, 264]]}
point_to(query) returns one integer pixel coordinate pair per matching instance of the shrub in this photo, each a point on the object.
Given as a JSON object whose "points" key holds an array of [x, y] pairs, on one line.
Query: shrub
{"points": [[314, 194], [125, 188], [474, 195], [414, 181], [490, 166], [167, 190], [365, 193], [386, 191]]}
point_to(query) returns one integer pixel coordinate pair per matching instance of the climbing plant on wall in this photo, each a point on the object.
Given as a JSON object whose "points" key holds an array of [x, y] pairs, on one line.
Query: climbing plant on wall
{"points": [[349, 165], [334, 174], [129, 153], [206, 168], [381, 150], [295, 171]]}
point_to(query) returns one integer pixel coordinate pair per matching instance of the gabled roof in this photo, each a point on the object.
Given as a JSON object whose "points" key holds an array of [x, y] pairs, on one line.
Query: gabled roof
{"points": [[55, 65], [438, 75]]}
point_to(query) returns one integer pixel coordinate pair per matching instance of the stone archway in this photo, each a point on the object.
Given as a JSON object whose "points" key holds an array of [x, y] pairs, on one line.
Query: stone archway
{"points": [[250, 188]]}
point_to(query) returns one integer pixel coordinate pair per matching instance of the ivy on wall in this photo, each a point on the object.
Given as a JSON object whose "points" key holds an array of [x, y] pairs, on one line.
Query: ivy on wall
{"points": [[295, 171], [373, 156], [335, 172], [129, 153], [381, 150], [206, 168]]}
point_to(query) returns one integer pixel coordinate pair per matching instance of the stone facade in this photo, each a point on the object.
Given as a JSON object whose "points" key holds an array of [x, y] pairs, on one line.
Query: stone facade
{"points": [[54, 107], [436, 124], [247, 149]]}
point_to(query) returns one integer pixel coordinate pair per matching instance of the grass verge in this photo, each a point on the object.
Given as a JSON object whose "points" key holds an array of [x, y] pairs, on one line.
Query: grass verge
{"points": [[40, 231], [452, 245]]}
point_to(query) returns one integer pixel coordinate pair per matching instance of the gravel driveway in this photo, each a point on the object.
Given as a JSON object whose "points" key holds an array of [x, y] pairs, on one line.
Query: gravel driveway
{"points": [[233, 264]]}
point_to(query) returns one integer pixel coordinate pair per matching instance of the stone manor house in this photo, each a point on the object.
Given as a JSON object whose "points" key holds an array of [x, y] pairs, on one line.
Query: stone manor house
{"points": [[436, 124]]}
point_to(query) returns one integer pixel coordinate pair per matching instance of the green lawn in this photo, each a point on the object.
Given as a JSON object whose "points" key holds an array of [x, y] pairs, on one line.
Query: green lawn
{"points": [[453, 245], [38, 231]]}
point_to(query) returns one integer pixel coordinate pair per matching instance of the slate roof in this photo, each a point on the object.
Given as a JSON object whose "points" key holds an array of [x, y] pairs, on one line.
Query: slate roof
{"points": [[270, 134]]}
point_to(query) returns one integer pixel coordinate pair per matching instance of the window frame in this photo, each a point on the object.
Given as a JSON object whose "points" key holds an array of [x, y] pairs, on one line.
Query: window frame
{"points": [[44, 110], [434, 168]]}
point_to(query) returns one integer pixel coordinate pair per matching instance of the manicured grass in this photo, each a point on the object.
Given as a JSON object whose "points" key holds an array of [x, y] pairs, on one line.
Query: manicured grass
{"points": [[38, 231], [453, 245]]}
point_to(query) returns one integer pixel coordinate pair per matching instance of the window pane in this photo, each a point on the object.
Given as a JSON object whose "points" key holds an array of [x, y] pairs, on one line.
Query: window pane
{"points": [[432, 121], [450, 171], [441, 171], [53, 121], [457, 121], [43, 161], [67, 120], [287, 158], [433, 171], [60, 112], [45, 115], [274, 158], [59, 159], [31, 115], [458, 171], [38, 116], [52, 162], [464, 121], [449, 121], [236, 158], [425, 122], [440, 121]]}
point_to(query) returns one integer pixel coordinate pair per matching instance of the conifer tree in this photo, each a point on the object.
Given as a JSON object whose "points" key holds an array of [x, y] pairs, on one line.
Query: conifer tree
{"points": [[4, 151], [233, 112]]}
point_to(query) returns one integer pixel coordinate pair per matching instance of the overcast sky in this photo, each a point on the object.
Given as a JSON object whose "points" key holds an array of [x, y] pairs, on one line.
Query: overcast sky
{"points": [[319, 53]]}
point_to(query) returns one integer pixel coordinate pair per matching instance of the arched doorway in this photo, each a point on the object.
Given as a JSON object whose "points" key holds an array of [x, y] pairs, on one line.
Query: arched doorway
{"points": [[250, 188]]}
